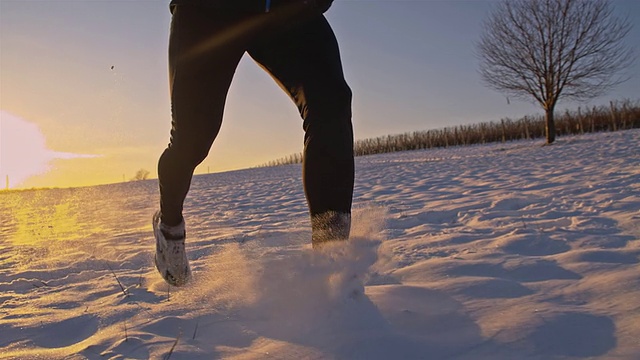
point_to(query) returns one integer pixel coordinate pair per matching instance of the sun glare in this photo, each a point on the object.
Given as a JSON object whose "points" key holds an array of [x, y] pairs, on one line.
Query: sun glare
{"points": [[23, 150]]}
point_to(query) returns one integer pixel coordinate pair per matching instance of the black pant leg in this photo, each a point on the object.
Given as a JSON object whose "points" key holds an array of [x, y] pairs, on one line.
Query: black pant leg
{"points": [[305, 60], [205, 47]]}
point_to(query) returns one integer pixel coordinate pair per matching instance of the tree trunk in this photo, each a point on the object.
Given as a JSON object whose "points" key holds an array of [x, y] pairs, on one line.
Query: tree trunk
{"points": [[550, 126]]}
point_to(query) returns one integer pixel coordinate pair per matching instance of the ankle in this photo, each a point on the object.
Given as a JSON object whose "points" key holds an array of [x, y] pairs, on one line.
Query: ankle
{"points": [[176, 232], [330, 226]]}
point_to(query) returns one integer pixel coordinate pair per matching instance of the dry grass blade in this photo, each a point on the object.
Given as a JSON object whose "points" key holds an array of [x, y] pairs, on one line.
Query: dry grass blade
{"points": [[195, 331], [124, 291], [175, 343]]}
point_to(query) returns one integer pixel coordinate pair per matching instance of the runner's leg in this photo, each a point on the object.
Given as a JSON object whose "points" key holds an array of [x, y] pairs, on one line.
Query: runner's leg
{"points": [[204, 51], [305, 60]]}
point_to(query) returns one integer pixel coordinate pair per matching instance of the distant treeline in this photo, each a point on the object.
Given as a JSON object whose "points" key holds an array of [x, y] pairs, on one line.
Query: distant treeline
{"points": [[619, 115]]}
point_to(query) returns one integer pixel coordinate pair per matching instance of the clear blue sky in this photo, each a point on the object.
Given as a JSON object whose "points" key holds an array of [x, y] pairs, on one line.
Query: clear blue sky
{"points": [[411, 66]]}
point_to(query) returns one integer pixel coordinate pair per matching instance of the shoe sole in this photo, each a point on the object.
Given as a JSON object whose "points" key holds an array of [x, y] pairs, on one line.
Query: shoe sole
{"points": [[168, 277]]}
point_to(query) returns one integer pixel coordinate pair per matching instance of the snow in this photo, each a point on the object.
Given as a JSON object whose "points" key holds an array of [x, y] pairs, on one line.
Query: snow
{"points": [[499, 251]]}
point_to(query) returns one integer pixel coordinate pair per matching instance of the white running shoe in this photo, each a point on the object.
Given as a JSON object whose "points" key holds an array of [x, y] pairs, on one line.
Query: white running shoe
{"points": [[171, 257]]}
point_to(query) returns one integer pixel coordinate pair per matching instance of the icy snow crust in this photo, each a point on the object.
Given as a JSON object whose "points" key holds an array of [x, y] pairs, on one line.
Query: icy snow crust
{"points": [[502, 251]]}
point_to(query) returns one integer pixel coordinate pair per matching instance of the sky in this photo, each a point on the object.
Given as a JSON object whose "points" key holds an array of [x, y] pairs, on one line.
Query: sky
{"points": [[84, 94]]}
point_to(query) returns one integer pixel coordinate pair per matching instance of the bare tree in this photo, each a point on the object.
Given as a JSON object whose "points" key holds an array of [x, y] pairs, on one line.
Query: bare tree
{"points": [[549, 50], [141, 174]]}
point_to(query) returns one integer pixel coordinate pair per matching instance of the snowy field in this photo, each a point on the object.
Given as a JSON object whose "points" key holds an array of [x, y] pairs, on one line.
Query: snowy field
{"points": [[502, 251]]}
